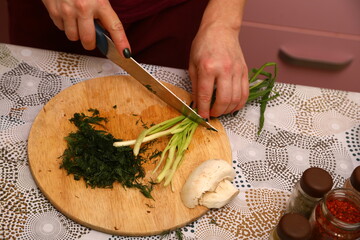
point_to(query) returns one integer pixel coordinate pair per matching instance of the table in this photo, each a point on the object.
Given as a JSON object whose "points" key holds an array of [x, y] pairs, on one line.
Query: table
{"points": [[304, 127]]}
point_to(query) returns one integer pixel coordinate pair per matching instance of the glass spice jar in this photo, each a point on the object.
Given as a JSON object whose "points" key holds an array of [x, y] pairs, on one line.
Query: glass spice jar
{"points": [[337, 216], [292, 226], [353, 182], [313, 185]]}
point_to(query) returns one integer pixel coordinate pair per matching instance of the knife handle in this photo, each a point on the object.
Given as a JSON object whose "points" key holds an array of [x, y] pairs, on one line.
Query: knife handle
{"points": [[101, 41]]}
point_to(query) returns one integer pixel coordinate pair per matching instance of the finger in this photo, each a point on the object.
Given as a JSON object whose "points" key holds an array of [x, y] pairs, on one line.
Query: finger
{"points": [[87, 32], [244, 89], [113, 25], [71, 29], [237, 90], [193, 78], [205, 87], [54, 14], [223, 96], [66, 11], [58, 23], [236, 94], [244, 93]]}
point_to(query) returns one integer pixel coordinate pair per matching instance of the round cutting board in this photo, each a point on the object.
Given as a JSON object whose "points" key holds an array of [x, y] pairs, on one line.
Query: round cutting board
{"points": [[128, 106]]}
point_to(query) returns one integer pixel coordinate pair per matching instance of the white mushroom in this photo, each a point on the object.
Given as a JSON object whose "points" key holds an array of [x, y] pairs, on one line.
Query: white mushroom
{"points": [[209, 185], [222, 195]]}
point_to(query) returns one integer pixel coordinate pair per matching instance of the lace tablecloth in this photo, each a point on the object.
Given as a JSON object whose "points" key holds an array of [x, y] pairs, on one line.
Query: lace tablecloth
{"points": [[304, 127]]}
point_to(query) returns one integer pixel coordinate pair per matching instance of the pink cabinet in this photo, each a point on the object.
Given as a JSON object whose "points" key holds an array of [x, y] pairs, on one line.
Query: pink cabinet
{"points": [[315, 43]]}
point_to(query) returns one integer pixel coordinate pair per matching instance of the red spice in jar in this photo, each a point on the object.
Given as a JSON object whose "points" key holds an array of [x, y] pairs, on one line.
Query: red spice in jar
{"points": [[337, 216], [344, 210]]}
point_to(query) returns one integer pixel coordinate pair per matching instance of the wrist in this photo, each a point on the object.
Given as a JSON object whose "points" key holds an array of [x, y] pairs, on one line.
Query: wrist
{"points": [[225, 14]]}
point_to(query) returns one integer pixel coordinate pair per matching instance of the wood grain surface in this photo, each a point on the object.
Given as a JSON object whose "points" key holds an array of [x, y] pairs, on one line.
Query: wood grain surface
{"points": [[117, 211]]}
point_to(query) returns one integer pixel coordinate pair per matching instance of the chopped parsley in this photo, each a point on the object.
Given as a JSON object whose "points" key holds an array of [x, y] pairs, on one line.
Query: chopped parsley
{"points": [[90, 155]]}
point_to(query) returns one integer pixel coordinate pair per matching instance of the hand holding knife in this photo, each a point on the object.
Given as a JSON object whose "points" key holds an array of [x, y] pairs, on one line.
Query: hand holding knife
{"points": [[107, 47]]}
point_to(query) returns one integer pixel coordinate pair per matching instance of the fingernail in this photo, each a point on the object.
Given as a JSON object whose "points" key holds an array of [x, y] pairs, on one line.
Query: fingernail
{"points": [[127, 53], [235, 113]]}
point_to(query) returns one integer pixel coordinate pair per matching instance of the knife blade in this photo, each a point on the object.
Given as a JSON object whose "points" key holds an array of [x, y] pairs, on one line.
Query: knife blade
{"points": [[134, 69]]}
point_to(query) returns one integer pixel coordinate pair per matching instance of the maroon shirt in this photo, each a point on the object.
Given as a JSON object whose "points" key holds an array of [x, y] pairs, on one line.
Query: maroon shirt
{"points": [[160, 32], [133, 10]]}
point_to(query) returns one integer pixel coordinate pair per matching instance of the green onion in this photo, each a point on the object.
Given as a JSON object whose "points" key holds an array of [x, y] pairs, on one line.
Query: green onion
{"points": [[262, 88], [182, 129]]}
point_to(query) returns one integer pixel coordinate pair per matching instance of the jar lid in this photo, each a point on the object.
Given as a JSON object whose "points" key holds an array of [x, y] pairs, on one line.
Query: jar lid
{"points": [[316, 182], [293, 226], [355, 178]]}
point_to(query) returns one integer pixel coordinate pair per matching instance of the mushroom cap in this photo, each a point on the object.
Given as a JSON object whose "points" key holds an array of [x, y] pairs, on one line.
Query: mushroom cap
{"points": [[222, 195], [205, 178]]}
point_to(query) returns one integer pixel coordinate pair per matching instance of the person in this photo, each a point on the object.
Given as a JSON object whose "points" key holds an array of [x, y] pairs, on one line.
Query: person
{"points": [[201, 36]]}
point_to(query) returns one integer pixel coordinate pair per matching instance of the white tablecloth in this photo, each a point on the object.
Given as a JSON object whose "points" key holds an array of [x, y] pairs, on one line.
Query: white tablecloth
{"points": [[304, 127]]}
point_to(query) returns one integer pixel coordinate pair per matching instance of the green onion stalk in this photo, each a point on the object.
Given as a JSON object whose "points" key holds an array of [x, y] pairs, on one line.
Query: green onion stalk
{"points": [[182, 129]]}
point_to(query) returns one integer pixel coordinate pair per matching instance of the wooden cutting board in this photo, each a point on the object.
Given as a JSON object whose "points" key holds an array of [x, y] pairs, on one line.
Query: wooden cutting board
{"points": [[117, 211]]}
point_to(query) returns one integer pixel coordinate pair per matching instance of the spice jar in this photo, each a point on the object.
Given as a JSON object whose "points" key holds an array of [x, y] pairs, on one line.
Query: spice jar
{"points": [[313, 185], [353, 182], [337, 216], [292, 226]]}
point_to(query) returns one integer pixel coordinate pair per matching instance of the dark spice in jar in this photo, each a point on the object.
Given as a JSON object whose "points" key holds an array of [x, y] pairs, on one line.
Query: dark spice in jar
{"points": [[313, 185]]}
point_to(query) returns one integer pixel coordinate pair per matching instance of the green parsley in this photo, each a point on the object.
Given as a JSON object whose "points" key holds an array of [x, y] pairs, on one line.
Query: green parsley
{"points": [[90, 155]]}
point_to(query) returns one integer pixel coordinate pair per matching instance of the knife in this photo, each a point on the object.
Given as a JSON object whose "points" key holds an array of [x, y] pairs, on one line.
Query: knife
{"points": [[107, 47]]}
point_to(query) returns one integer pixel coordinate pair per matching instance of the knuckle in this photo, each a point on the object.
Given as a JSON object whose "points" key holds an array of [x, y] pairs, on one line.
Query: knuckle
{"points": [[54, 13], [117, 26], [211, 66], [237, 99], [82, 7], [227, 66], [72, 35], [205, 98], [224, 101], [240, 69], [208, 66], [65, 10]]}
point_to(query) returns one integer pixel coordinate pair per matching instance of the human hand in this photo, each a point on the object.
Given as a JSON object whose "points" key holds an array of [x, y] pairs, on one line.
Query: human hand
{"points": [[216, 58], [76, 18]]}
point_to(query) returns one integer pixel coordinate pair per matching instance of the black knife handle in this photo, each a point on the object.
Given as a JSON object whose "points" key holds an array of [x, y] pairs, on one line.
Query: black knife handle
{"points": [[101, 41]]}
